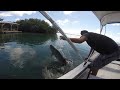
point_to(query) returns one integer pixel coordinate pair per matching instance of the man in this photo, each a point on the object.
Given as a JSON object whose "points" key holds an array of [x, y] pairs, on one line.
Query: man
{"points": [[108, 49]]}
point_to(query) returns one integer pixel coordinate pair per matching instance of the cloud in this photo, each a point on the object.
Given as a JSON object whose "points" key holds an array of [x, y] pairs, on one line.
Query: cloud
{"points": [[62, 22], [5, 14], [71, 32], [118, 33], [47, 11], [114, 36], [97, 30], [68, 12], [17, 13], [48, 22], [17, 19], [74, 22], [117, 24]]}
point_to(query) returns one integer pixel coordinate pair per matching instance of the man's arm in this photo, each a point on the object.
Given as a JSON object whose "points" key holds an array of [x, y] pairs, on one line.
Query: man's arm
{"points": [[76, 40]]}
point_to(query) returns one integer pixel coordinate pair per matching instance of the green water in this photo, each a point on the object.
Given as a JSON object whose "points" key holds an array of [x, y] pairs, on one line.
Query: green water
{"points": [[26, 55]]}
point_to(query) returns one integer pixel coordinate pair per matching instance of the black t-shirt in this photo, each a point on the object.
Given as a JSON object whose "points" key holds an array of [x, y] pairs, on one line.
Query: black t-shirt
{"points": [[101, 43]]}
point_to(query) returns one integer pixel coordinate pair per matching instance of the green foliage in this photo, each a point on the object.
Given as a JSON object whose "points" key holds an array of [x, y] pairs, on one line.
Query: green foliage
{"points": [[35, 25]]}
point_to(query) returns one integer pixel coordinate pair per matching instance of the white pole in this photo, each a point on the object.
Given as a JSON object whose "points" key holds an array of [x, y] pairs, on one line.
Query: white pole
{"points": [[101, 27], [60, 30]]}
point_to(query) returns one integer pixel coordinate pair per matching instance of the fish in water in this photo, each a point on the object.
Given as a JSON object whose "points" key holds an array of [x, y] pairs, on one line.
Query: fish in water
{"points": [[55, 69], [58, 68], [58, 55]]}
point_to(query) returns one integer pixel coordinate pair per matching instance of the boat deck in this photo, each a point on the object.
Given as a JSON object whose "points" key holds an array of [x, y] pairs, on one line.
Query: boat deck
{"points": [[110, 71]]}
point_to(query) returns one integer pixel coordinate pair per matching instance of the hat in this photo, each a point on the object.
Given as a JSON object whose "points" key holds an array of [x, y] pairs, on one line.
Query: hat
{"points": [[83, 32]]}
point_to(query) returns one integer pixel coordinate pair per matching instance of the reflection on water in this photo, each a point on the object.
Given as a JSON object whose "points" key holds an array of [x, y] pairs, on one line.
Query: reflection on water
{"points": [[19, 55], [27, 55]]}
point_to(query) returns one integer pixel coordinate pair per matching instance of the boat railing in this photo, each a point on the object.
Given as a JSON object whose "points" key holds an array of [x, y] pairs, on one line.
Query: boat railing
{"points": [[81, 71]]}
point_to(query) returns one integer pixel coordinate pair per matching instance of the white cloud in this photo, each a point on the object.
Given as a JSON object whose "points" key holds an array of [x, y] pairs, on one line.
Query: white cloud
{"points": [[71, 32], [97, 31], [114, 36], [117, 24], [47, 11], [5, 14], [17, 19], [62, 22], [74, 22], [17, 13], [118, 33], [48, 22], [68, 12]]}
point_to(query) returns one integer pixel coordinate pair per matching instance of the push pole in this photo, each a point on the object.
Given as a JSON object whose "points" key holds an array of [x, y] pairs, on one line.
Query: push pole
{"points": [[61, 31]]}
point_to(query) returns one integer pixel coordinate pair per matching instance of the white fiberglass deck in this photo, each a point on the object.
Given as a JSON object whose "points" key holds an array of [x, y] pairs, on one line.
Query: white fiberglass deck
{"points": [[110, 71]]}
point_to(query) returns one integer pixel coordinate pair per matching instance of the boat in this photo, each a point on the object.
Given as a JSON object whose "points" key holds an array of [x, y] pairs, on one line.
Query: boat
{"points": [[110, 71]]}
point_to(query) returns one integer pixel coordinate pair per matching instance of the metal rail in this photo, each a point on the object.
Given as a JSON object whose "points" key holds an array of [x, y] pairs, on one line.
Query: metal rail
{"points": [[61, 31]]}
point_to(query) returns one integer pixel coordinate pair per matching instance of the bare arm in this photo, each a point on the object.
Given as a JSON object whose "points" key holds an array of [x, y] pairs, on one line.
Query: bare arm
{"points": [[78, 40]]}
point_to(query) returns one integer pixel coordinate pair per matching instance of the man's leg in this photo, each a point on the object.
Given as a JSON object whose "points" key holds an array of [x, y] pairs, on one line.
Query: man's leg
{"points": [[94, 66], [94, 71], [101, 61]]}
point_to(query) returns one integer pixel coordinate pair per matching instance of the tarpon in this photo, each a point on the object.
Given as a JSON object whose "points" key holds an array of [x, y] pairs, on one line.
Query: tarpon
{"points": [[55, 69], [58, 55]]}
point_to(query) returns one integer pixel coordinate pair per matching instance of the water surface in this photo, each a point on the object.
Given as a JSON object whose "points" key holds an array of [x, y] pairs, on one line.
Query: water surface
{"points": [[28, 56]]}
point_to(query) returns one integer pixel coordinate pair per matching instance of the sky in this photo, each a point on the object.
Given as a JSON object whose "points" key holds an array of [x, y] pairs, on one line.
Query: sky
{"points": [[71, 22]]}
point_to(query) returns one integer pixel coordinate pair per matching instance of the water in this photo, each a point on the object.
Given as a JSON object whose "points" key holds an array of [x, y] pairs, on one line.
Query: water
{"points": [[28, 56]]}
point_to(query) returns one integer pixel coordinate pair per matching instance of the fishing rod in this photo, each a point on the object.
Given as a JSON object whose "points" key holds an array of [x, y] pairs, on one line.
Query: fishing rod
{"points": [[61, 31]]}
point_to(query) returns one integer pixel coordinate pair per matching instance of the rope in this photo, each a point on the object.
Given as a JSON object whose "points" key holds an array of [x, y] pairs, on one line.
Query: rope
{"points": [[105, 30], [101, 28]]}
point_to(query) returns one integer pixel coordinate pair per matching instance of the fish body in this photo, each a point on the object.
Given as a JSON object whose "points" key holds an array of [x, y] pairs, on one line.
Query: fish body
{"points": [[58, 55]]}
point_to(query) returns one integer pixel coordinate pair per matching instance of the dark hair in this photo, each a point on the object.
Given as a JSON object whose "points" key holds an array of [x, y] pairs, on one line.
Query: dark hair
{"points": [[83, 32]]}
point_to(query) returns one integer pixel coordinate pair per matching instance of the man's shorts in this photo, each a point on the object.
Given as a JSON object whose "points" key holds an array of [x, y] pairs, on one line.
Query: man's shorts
{"points": [[103, 60]]}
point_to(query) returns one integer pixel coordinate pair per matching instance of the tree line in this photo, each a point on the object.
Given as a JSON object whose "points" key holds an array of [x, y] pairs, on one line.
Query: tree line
{"points": [[35, 25]]}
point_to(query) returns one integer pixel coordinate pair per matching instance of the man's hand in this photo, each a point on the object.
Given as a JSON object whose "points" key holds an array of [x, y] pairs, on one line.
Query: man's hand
{"points": [[62, 37]]}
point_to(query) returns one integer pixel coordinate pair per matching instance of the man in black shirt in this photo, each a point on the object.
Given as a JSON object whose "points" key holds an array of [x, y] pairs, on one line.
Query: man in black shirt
{"points": [[108, 48]]}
